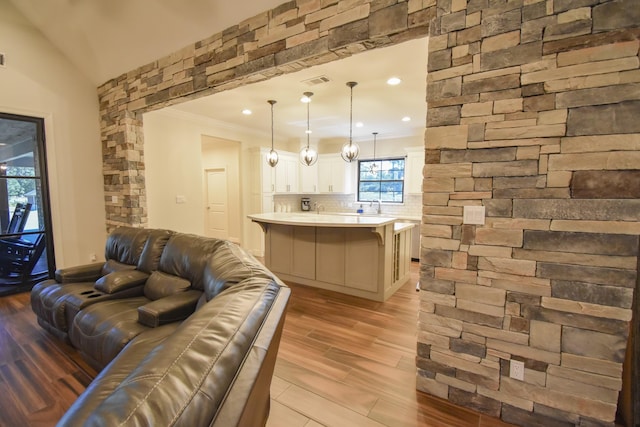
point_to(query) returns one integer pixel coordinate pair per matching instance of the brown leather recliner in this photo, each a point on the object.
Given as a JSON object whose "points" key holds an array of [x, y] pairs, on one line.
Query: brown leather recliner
{"points": [[131, 255]]}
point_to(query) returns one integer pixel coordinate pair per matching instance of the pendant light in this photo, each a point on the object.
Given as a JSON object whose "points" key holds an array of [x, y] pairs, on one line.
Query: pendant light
{"points": [[350, 151], [308, 156], [373, 169], [272, 156]]}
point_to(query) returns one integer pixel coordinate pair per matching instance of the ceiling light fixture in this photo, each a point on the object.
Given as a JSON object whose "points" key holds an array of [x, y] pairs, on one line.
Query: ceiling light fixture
{"points": [[373, 169], [393, 81], [406, 119], [272, 156], [308, 156], [350, 151], [246, 112]]}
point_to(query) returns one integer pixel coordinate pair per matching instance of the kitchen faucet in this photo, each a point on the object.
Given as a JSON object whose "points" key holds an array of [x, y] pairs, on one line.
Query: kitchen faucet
{"points": [[317, 206], [379, 202]]}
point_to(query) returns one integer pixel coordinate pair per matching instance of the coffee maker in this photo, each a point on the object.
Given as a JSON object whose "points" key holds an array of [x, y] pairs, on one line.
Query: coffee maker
{"points": [[305, 204]]}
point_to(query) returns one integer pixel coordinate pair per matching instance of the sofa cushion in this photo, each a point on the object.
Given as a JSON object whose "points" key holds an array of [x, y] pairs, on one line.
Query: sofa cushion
{"points": [[112, 265], [125, 244], [186, 256], [100, 331], [120, 280], [231, 265], [152, 250], [161, 284]]}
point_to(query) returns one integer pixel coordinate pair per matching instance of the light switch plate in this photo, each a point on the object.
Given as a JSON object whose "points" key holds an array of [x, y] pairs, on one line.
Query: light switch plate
{"points": [[473, 215], [181, 199]]}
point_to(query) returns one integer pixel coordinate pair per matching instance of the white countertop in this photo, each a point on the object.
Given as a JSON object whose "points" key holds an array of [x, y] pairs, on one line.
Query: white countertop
{"points": [[312, 219]]}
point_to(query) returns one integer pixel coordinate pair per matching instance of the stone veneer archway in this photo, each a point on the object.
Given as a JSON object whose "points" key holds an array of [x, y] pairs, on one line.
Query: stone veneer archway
{"points": [[533, 108]]}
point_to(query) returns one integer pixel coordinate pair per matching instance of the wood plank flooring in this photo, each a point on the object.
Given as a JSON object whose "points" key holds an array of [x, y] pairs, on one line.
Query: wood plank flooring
{"points": [[343, 361]]}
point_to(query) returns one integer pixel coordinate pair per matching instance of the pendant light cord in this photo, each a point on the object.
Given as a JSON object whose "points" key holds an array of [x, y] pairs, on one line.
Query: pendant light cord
{"points": [[351, 85]]}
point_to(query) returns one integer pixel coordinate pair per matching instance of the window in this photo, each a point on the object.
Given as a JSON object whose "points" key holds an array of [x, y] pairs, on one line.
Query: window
{"points": [[381, 180]]}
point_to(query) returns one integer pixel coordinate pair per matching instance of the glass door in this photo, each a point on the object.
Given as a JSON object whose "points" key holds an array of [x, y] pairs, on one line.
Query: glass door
{"points": [[26, 246]]}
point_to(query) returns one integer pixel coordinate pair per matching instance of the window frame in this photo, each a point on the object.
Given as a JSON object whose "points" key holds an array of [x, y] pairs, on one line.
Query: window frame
{"points": [[401, 181]]}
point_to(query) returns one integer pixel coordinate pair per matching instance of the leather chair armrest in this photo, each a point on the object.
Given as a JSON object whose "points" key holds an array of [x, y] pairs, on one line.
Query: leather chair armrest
{"points": [[80, 273], [120, 281], [172, 308]]}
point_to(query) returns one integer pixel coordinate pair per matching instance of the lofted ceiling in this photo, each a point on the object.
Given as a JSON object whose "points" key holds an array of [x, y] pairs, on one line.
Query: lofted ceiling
{"points": [[107, 38]]}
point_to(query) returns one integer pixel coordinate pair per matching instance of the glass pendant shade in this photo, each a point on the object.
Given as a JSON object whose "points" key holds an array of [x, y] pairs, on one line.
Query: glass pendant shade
{"points": [[308, 156], [350, 151], [272, 156]]}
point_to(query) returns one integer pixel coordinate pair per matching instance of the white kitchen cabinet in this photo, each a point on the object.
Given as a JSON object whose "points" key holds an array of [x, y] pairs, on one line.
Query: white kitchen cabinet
{"points": [[261, 175], [413, 170], [287, 173], [334, 174], [309, 178]]}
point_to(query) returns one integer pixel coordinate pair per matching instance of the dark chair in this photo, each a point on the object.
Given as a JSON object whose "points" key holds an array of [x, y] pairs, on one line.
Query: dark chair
{"points": [[18, 257], [19, 218]]}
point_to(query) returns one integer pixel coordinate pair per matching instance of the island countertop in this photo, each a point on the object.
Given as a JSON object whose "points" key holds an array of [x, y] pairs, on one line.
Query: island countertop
{"points": [[312, 219]]}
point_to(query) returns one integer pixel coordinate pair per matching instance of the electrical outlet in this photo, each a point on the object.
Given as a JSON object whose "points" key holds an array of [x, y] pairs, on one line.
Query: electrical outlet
{"points": [[516, 370]]}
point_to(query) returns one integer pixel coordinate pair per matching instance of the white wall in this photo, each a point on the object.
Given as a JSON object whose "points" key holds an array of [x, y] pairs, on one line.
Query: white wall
{"points": [[222, 153], [178, 147], [38, 81]]}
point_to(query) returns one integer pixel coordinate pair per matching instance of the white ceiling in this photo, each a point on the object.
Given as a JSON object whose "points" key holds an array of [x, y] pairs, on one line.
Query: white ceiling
{"points": [[105, 38], [109, 37]]}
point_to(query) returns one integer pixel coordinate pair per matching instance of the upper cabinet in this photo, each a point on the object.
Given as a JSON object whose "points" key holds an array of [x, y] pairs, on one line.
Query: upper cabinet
{"points": [[414, 167], [262, 176], [287, 173], [334, 174], [309, 178]]}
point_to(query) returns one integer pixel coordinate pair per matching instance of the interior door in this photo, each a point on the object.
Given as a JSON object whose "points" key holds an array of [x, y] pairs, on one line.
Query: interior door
{"points": [[217, 204]]}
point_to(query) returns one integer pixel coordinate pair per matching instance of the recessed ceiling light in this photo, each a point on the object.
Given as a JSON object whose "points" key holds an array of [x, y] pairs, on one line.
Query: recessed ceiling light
{"points": [[359, 124], [394, 81], [406, 119], [247, 112]]}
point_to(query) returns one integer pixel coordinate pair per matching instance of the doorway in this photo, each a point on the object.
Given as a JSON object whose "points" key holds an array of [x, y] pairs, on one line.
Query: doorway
{"points": [[26, 242], [217, 204]]}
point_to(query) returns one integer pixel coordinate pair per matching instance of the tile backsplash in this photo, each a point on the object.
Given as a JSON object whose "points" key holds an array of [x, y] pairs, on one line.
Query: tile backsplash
{"points": [[412, 206]]}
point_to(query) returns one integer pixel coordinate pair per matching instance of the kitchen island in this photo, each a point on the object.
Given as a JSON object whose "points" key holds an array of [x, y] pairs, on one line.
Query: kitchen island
{"points": [[360, 255]]}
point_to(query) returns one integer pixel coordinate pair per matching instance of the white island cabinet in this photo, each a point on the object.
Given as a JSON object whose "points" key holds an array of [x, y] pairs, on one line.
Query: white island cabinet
{"points": [[364, 256]]}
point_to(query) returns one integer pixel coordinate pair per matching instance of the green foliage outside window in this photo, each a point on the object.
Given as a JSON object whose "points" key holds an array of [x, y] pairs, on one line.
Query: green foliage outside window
{"points": [[381, 180]]}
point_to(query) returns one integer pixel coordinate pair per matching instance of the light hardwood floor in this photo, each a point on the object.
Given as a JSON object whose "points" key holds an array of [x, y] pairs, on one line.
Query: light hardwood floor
{"points": [[343, 361]]}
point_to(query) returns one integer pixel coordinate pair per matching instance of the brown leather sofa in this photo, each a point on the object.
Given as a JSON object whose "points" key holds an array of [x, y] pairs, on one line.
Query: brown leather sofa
{"points": [[185, 329]]}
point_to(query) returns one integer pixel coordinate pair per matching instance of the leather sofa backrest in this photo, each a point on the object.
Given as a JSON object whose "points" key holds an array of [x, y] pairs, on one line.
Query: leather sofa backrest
{"points": [[124, 246], [186, 255], [152, 250], [231, 265]]}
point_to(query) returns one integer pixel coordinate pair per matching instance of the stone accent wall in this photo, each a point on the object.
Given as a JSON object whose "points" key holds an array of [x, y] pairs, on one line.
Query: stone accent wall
{"points": [[534, 111]]}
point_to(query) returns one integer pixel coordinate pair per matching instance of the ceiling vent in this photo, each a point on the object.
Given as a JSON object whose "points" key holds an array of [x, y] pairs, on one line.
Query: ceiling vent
{"points": [[314, 81]]}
